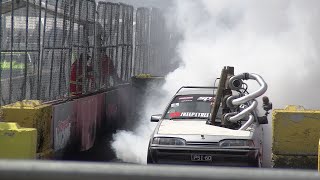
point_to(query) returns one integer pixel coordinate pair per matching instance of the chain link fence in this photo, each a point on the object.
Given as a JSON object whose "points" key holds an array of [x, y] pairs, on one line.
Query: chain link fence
{"points": [[56, 49]]}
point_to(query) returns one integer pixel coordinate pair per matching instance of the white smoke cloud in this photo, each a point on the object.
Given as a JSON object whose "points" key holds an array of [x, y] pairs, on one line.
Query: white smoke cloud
{"points": [[279, 40]]}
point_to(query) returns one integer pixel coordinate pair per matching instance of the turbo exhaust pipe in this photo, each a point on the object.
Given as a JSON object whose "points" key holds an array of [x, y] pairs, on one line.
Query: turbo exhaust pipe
{"points": [[234, 117], [248, 123], [236, 81]]}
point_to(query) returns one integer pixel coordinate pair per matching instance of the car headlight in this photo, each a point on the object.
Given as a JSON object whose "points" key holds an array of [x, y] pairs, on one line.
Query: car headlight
{"points": [[169, 141], [236, 143]]}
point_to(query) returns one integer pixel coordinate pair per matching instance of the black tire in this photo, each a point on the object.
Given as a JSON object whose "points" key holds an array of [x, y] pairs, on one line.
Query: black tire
{"points": [[149, 158], [258, 162]]}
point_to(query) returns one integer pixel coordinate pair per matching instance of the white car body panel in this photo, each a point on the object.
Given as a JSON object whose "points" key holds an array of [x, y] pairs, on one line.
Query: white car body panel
{"points": [[196, 127]]}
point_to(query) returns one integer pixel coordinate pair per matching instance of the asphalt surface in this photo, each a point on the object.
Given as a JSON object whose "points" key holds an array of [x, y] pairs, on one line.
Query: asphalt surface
{"points": [[100, 152]]}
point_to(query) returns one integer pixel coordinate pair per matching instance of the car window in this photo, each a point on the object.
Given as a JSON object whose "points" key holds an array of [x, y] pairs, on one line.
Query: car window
{"points": [[190, 107]]}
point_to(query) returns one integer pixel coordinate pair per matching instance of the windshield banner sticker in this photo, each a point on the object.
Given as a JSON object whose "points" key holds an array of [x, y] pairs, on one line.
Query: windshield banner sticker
{"points": [[175, 105], [194, 114], [175, 114], [186, 98], [205, 99]]}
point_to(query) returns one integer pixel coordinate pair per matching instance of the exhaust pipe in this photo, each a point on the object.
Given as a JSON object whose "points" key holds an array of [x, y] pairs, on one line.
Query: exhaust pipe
{"points": [[248, 123], [249, 97], [232, 117], [235, 83]]}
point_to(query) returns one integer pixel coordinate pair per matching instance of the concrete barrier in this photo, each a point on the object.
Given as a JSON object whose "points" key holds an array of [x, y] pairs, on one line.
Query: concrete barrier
{"points": [[16, 142], [33, 114], [86, 121], [296, 133], [101, 112], [319, 157], [63, 123]]}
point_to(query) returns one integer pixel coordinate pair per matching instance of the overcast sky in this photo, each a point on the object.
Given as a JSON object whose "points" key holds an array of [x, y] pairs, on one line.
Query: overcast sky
{"points": [[145, 3]]}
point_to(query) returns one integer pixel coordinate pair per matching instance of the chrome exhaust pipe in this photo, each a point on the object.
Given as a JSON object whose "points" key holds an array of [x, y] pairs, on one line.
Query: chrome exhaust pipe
{"points": [[235, 83], [251, 96], [248, 123], [234, 118]]}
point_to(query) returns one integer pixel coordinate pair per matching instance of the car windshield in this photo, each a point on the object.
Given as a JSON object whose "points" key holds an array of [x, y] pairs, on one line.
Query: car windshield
{"points": [[190, 107]]}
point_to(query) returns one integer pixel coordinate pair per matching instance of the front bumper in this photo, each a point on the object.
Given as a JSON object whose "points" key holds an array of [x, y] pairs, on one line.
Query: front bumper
{"points": [[238, 157]]}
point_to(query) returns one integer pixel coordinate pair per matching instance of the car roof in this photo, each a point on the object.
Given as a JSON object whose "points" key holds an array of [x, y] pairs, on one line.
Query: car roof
{"points": [[188, 90]]}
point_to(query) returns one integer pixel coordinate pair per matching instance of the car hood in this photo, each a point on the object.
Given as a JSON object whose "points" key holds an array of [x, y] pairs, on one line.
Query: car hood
{"points": [[196, 127]]}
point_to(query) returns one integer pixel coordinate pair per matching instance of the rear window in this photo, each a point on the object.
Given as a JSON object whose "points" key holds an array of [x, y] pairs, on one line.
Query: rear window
{"points": [[190, 107]]}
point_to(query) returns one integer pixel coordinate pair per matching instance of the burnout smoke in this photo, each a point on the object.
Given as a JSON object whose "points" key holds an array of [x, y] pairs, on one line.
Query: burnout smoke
{"points": [[279, 40]]}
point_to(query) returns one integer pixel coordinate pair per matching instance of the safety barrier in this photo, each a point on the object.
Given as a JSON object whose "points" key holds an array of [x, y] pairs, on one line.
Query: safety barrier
{"points": [[295, 137], [31, 170], [72, 126], [63, 123], [17, 142], [33, 114]]}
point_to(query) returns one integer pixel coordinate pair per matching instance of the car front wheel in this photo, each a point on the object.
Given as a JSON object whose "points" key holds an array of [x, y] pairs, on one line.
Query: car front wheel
{"points": [[149, 158]]}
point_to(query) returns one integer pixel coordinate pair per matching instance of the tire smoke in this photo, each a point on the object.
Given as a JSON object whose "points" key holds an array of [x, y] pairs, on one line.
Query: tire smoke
{"points": [[279, 40]]}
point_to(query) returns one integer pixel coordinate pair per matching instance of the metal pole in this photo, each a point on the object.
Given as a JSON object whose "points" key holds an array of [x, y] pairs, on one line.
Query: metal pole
{"points": [[111, 43], [54, 45], [117, 41], [42, 51], [12, 27], [1, 53], [78, 56], [87, 44], [62, 54], [24, 92], [123, 41], [93, 58], [103, 46], [39, 53], [130, 38], [71, 42]]}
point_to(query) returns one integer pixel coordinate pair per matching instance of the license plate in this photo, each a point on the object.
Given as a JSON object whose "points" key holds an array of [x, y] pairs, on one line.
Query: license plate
{"points": [[201, 157]]}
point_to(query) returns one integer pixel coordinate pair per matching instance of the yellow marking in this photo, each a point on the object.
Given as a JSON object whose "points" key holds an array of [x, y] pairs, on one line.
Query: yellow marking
{"points": [[16, 142]]}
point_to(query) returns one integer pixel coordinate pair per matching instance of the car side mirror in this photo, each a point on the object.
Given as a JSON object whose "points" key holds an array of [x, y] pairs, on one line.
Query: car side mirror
{"points": [[156, 118], [263, 120]]}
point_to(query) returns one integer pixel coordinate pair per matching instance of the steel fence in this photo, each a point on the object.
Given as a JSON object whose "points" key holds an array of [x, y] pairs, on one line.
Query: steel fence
{"points": [[20, 52], [142, 41], [158, 46], [115, 22], [47, 45]]}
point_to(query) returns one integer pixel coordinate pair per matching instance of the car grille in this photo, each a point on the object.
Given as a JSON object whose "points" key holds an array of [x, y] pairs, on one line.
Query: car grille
{"points": [[188, 152], [203, 144]]}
